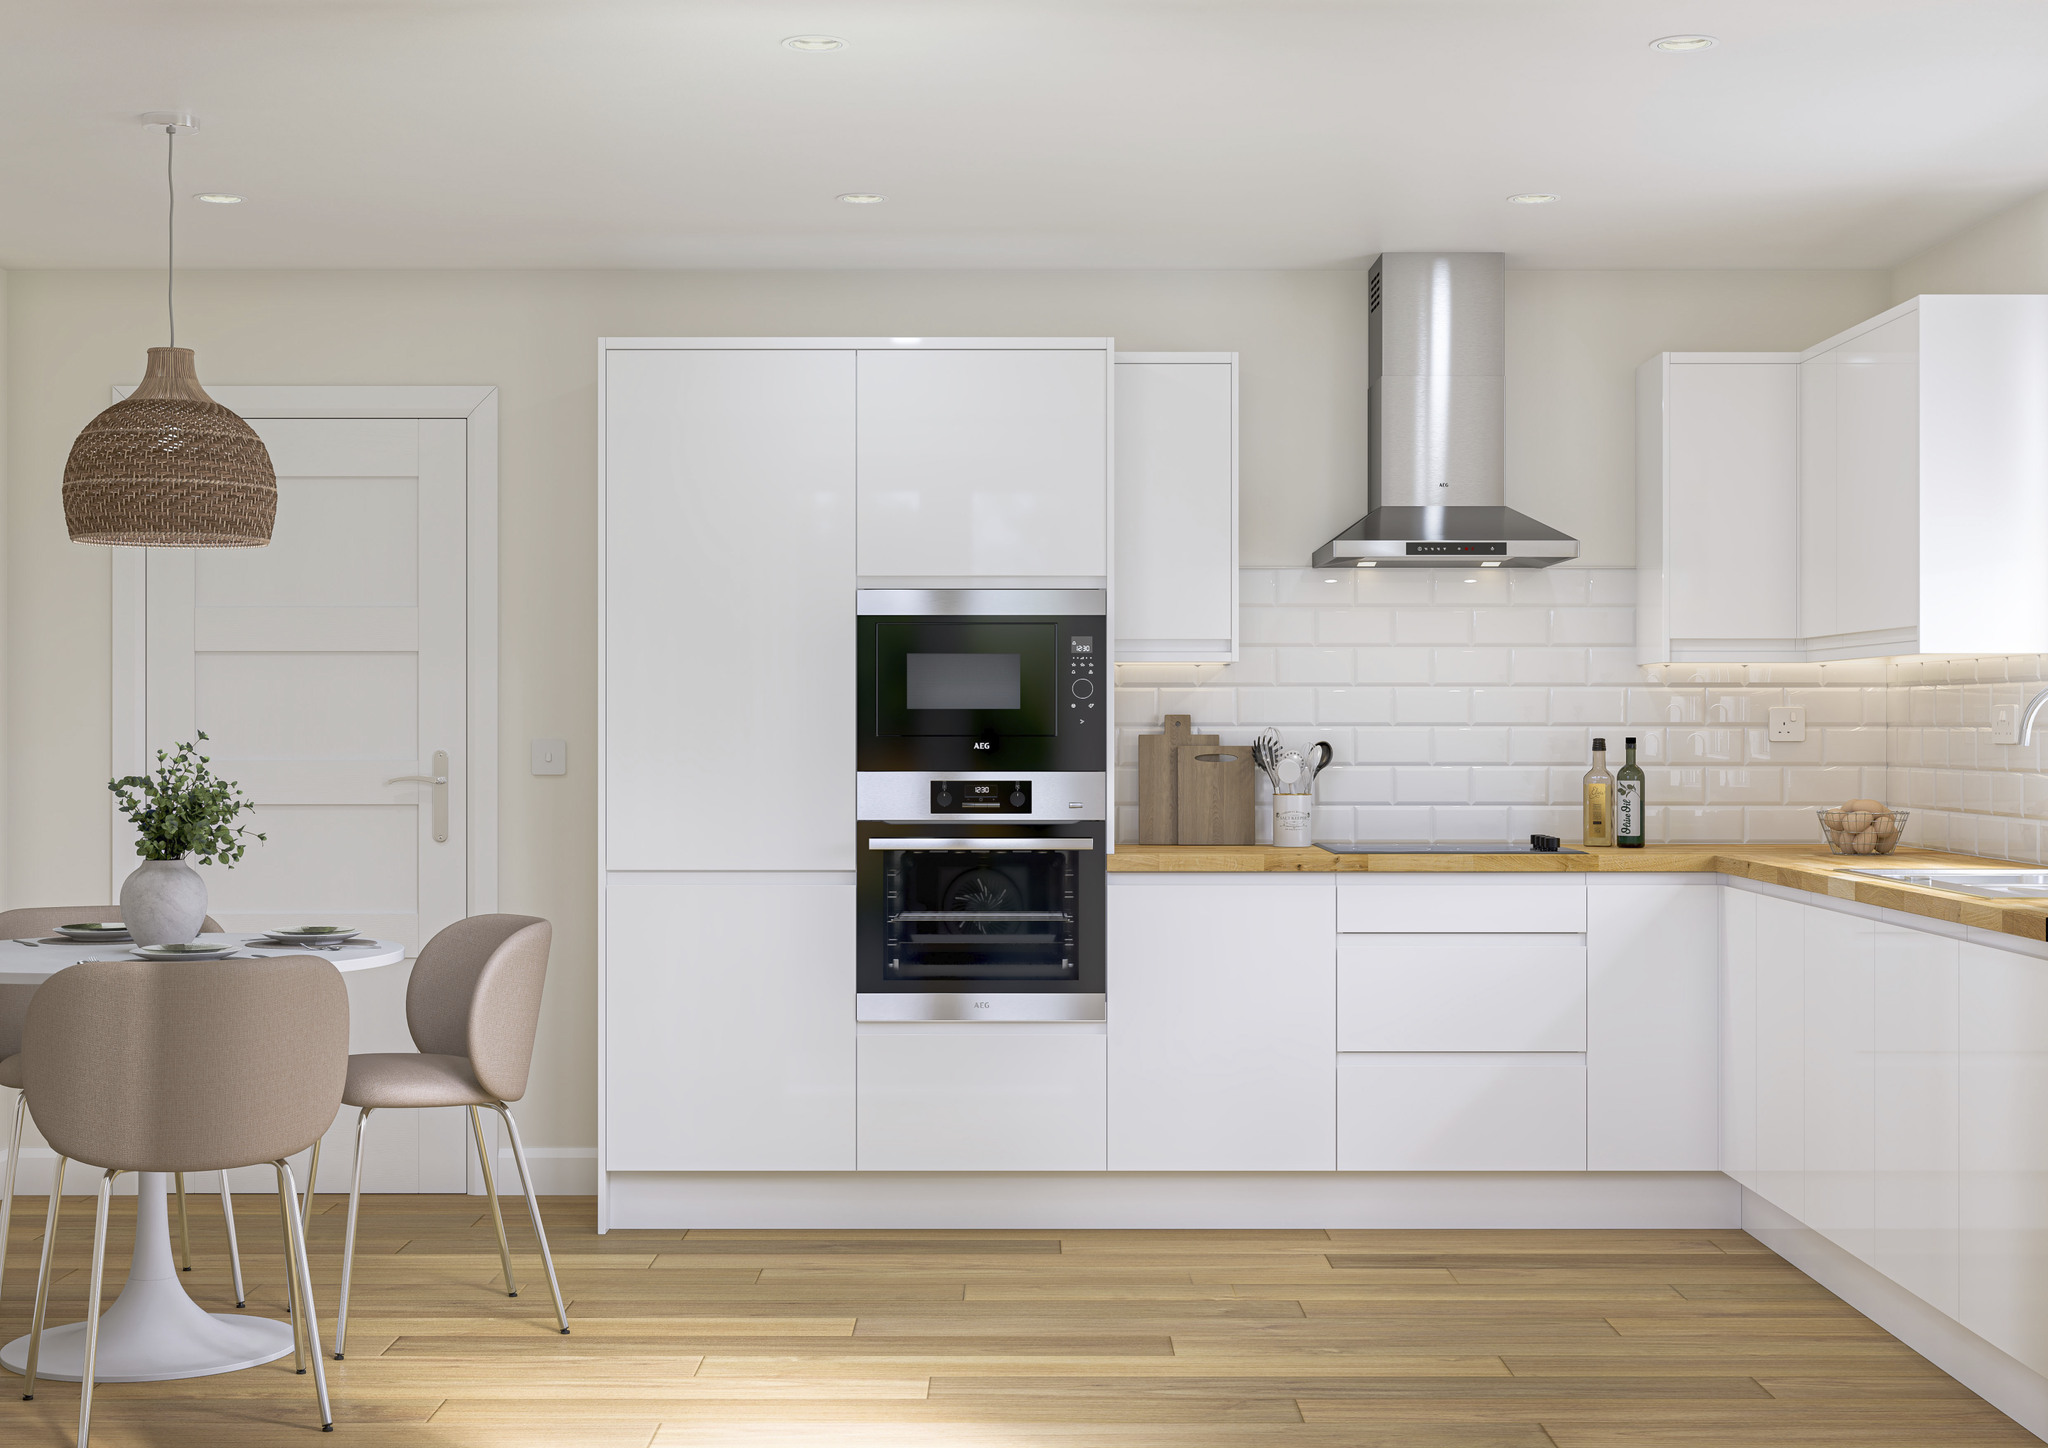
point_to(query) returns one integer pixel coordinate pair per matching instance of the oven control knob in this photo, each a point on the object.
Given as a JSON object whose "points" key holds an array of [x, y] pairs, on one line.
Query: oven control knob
{"points": [[945, 800], [1016, 799], [1083, 688]]}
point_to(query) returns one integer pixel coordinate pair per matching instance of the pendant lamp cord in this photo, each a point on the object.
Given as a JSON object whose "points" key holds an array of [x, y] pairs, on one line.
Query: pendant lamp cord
{"points": [[171, 230]]}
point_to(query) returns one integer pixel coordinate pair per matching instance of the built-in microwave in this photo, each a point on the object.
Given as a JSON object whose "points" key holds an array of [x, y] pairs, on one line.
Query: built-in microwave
{"points": [[993, 681]]}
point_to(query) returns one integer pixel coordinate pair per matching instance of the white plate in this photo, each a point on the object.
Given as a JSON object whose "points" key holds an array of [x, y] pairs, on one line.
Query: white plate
{"points": [[170, 952], [116, 933], [301, 937]]}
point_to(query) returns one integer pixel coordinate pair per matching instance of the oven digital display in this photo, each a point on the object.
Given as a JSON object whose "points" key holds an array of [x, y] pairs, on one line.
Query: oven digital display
{"points": [[981, 796], [1080, 645]]}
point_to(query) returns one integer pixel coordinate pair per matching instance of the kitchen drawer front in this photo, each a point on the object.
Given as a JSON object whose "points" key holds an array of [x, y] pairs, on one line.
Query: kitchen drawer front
{"points": [[1461, 1113], [1461, 905], [982, 1098], [1461, 993]]}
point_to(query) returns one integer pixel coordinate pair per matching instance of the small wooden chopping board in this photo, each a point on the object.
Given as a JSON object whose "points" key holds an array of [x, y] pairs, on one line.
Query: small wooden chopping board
{"points": [[1214, 788], [1159, 779]]}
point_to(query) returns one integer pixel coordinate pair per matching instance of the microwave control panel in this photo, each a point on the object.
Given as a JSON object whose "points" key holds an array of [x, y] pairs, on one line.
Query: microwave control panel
{"points": [[1083, 687]]}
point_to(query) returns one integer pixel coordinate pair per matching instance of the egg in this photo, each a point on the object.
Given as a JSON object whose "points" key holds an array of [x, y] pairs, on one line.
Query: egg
{"points": [[1865, 806], [1863, 843], [1886, 825], [1832, 819], [1856, 821]]}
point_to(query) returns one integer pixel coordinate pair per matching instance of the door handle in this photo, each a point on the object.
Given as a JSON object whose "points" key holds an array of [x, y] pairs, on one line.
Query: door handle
{"points": [[438, 779]]}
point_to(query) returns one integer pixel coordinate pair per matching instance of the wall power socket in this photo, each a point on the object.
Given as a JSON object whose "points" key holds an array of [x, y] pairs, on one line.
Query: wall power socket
{"points": [[1788, 726], [2005, 723]]}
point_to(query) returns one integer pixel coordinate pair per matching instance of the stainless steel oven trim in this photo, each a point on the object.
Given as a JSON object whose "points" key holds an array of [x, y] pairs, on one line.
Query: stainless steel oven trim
{"points": [[983, 842], [1015, 602], [904, 796], [980, 1006]]}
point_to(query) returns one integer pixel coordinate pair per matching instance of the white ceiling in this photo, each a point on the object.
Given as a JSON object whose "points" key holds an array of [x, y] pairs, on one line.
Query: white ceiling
{"points": [[1015, 133]]}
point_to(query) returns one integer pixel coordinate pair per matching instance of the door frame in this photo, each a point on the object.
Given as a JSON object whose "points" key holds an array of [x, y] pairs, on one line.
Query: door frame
{"points": [[478, 408]]}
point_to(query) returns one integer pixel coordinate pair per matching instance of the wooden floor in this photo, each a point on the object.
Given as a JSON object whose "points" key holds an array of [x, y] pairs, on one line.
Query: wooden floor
{"points": [[1296, 1339]]}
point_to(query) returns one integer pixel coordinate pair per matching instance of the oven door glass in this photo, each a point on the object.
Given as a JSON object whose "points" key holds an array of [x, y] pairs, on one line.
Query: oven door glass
{"points": [[961, 679], [980, 914]]}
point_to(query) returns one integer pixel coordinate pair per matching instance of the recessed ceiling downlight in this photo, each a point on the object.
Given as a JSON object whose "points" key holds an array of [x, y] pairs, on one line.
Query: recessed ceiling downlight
{"points": [[814, 43], [1680, 44], [1533, 198], [219, 198], [863, 198]]}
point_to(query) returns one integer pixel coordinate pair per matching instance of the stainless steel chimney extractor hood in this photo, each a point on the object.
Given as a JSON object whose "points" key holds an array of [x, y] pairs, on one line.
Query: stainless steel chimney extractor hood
{"points": [[1437, 345]]}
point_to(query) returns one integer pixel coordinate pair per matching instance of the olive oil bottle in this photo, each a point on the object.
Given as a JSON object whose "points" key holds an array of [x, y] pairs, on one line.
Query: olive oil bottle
{"points": [[1599, 799], [1628, 801]]}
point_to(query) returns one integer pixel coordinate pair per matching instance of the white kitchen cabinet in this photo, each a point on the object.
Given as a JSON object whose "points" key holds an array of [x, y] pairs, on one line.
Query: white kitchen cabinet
{"points": [[1717, 507], [1222, 1053], [2004, 1153], [1924, 482], [1461, 993], [1405, 904], [1738, 1035], [728, 1012], [1918, 1072], [728, 591], [981, 1097], [1841, 1083], [1652, 1048], [1481, 1112], [1176, 507], [984, 461], [1781, 1054]]}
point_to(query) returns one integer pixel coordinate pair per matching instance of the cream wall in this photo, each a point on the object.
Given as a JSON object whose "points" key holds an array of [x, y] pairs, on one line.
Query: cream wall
{"points": [[1574, 340], [2007, 253]]}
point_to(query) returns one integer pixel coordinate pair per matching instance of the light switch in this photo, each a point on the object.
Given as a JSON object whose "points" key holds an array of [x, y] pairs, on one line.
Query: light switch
{"points": [[1788, 726], [2005, 723], [550, 756]]}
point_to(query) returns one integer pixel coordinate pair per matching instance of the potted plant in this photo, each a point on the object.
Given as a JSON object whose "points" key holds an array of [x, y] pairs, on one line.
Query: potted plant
{"points": [[180, 812]]}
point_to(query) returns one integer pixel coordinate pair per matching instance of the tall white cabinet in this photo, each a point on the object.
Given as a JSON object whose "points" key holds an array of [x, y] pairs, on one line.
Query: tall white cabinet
{"points": [[1176, 507]]}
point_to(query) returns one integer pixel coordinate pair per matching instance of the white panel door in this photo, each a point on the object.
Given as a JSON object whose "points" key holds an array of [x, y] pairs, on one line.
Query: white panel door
{"points": [[1176, 510], [1732, 501], [1461, 1113], [1461, 993], [1222, 1023], [729, 1025], [1653, 1042], [729, 677], [1781, 1054], [2004, 1157], [1426, 904], [982, 1098], [1841, 1081], [320, 667], [1919, 1122], [1738, 1035], [984, 463]]}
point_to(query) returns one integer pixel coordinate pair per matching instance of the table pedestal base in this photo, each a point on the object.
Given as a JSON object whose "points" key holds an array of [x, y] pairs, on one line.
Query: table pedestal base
{"points": [[154, 1331]]}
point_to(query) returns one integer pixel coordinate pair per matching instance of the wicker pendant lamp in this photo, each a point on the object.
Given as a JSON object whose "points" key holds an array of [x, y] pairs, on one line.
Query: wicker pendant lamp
{"points": [[168, 467]]}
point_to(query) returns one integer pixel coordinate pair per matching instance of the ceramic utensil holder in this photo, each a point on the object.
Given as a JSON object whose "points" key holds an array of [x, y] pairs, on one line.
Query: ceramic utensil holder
{"points": [[1293, 820]]}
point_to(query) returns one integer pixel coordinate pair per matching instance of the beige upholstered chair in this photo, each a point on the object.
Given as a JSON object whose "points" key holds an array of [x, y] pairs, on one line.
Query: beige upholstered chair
{"points": [[473, 1005], [138, 1065], [41, 920]]}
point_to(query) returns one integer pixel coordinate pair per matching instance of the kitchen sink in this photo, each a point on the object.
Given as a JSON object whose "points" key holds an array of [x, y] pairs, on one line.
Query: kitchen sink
{"points": [[1991, 884]]}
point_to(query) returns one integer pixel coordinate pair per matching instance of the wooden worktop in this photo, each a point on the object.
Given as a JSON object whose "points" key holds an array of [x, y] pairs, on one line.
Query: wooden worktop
{"points": [[1797, 867]]}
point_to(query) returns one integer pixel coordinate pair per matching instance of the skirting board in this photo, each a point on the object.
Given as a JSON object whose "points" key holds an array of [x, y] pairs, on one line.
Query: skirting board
{"points": [[1105, 1200], [2009, 1385]]}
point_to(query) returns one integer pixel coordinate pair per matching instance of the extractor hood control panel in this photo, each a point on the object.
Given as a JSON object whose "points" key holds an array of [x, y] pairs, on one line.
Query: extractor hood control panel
{"points": [[981, 796]]}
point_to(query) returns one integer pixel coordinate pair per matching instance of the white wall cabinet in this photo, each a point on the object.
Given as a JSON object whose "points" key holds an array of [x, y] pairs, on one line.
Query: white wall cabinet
{"points": [[1652, 1047], [728, 586], [729, 1025], [982, 1098], [1717, 507], [985, 461], [1176, 507], [1222, 1054]]}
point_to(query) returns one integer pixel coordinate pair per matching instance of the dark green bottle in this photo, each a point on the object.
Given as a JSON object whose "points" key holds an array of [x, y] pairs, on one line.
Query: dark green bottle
{"points": [[1628, 801]]}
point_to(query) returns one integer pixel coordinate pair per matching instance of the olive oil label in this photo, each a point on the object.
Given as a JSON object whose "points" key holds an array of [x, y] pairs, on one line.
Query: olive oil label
{"points": [[1628, 809]]}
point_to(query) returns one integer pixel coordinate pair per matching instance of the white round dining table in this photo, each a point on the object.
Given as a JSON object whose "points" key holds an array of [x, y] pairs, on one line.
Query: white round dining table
{"points": [[155, 1331]]}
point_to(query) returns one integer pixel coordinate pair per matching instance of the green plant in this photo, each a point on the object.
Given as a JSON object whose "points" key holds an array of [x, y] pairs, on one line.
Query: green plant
{"points": [[183, 809]]}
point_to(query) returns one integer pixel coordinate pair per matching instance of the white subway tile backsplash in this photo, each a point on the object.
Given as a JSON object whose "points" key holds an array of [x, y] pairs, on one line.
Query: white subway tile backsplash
{"points": [[1466, 711]]}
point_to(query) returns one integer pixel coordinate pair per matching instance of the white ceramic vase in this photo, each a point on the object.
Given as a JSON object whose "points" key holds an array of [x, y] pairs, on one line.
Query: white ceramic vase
{"points": [[163, 902], [1293, 818]]}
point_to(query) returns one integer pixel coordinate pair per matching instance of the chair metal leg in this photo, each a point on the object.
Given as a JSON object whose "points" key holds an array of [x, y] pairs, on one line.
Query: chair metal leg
{"points": [[348, 1241], [227, 1212], [547, 1258], [295, 1240], [312, 1184], [483, 1155], [92, 1309], [35, 1330], [184, 1226], [13, 1162], [287, 1203]]}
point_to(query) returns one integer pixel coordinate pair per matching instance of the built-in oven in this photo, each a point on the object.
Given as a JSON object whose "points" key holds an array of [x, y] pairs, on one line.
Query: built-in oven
{"points": [[975, 919]]}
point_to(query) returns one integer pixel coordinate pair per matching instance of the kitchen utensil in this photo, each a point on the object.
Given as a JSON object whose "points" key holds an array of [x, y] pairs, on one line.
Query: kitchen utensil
{"points": [[1321, 752], [1159, 779], [1215, 794], [19, 941]]}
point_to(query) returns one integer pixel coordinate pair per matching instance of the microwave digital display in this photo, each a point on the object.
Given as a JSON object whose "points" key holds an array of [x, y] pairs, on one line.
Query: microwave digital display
{"points": [[981, 796]]}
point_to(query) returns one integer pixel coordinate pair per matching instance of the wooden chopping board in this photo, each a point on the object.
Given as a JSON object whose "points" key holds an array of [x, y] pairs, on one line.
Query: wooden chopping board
{"points": [[1214, 789], [1159, 779]]}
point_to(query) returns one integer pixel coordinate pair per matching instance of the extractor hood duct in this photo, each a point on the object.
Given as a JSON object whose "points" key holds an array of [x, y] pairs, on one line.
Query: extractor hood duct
{"points": [[1437, 345]]}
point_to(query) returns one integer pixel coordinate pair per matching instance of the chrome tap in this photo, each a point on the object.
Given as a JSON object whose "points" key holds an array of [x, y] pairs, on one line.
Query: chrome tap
{"points": [[2034, 707]]}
